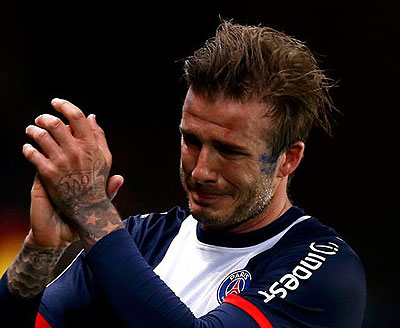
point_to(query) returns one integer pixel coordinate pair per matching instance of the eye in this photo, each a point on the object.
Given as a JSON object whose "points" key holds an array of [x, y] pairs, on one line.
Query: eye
{"points": [[229, 151], [191, 140]]}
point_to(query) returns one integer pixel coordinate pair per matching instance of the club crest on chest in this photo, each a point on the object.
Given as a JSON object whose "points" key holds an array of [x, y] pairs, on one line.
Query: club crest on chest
{"points": [[235, 283]]}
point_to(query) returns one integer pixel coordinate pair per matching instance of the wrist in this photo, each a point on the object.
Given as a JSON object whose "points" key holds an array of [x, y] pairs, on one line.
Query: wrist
{"points": [[97, 221], [48, 242]]}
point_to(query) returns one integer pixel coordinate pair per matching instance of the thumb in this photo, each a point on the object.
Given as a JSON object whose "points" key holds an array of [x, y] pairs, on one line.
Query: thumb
{"points": [[38, 190], [114, 183]]}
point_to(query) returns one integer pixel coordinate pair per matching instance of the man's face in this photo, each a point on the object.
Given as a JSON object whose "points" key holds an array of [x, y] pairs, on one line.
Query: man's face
{"points": [[225, 166]]}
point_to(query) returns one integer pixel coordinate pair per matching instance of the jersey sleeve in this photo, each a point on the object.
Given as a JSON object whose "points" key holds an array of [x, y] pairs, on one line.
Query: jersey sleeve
{"points": [[317, 284], [141, 299], [15, 311], [321, 285]]}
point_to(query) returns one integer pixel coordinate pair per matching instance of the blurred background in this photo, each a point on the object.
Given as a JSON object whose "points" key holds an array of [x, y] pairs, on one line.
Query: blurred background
{"points": [[123, 63]]}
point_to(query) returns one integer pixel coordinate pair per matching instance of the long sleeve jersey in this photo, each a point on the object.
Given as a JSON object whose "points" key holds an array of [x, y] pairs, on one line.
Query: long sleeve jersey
{"points": [[164, 270]]}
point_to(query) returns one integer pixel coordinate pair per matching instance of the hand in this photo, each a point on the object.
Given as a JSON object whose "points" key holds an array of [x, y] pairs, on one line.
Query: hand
{"points": [[72, 166], [47, 228], [74, 169]]}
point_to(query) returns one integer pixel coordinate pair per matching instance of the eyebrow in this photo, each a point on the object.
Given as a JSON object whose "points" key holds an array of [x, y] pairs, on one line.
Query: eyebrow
{"points": [[217, 143]]}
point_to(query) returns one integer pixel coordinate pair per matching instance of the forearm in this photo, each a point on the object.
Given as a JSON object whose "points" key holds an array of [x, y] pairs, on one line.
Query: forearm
{"points": [[131, 287], [22, 286], [31, 270], [16, 311], [140, 298]]}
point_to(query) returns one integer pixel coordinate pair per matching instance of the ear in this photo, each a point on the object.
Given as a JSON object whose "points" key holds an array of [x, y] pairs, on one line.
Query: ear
{"points": [[291, 159]]}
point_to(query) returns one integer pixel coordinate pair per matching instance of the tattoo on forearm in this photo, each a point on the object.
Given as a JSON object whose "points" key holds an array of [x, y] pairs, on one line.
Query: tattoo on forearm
{"points": [[31, 270]]}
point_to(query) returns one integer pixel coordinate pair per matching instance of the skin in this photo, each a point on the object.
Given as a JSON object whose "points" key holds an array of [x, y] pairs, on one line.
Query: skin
{"points": [[225, 168], [232, 184], [74, 170], [86, 213]]}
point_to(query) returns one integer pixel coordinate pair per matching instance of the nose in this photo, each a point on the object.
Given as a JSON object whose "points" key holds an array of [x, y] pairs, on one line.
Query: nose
{"points": [[205, 169]]}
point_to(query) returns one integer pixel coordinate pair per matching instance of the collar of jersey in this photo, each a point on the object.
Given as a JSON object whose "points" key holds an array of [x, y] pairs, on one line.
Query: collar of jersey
{"points": [[249, 238]]}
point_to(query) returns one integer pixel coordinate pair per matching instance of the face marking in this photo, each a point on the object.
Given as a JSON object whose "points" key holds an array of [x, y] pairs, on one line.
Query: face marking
{"points": [[267, 166]]}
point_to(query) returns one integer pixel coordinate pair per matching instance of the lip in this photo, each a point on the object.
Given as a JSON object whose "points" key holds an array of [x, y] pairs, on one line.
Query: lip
{"points": [[205, 198]]}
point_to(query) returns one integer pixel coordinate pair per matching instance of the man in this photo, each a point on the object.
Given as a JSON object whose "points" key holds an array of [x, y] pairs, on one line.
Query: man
{"points": [[243, 256]]}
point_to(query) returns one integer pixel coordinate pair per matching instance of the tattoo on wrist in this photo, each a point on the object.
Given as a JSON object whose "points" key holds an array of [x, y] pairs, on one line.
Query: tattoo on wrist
{"points": [[98, 221], [31, 270]]}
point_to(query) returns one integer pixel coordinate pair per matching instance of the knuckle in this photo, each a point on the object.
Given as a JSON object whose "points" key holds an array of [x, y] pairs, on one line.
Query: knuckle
{"points": [[89, 146], [47, 171], [55, 123], [77, 115], [42, 134], [73, 157]]}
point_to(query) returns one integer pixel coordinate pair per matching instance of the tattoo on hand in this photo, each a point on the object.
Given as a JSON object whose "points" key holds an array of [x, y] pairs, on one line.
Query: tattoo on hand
{"points": [[82, 188], [84, 200], [31, 270]]}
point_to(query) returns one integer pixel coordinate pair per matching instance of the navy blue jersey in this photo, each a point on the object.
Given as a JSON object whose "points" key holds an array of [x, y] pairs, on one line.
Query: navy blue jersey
{"points": [[164, 270]]}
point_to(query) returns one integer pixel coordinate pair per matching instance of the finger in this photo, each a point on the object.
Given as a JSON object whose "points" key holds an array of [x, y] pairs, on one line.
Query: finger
{"points": [[100, 138], [75, 116], [46, 142], [35, 157], [56, 128], [114, 184]]}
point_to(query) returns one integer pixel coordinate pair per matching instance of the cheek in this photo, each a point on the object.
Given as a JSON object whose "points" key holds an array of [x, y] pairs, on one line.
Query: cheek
{"points": [[240, 173]]}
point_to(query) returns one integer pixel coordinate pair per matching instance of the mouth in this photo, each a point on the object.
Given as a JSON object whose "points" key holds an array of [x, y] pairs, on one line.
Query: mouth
{"points": [[205, 198]]}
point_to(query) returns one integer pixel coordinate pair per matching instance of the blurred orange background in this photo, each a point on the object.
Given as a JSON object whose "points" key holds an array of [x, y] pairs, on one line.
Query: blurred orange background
{"points": [[14, 226]]}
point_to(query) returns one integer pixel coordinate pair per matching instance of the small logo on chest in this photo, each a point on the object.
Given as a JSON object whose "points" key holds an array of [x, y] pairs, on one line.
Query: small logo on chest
{"points": [[235, 283]]}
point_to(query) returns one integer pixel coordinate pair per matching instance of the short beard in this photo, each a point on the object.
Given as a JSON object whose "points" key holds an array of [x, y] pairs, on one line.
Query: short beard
{"points": [[256, 201]]}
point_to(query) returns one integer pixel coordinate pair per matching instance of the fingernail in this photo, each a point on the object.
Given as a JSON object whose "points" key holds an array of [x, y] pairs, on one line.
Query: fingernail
{"points": [[28, 128], [56, 101], [37, 118]]}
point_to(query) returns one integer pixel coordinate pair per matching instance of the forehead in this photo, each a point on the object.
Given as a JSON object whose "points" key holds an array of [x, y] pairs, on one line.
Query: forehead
{"points": [[225, 117]]}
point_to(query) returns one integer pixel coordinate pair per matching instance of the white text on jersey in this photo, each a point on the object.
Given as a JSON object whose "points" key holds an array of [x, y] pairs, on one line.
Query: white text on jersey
{"points": [[303, 271]]}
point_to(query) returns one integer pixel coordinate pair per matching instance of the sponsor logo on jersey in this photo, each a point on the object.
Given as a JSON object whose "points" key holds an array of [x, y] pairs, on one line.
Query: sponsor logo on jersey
{"points": [[235, 283], [303, 271]]}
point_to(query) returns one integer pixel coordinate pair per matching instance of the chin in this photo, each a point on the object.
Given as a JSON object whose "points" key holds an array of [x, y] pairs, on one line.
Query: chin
{"points": [[216, 220], [225, 219], [209, 221]]}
